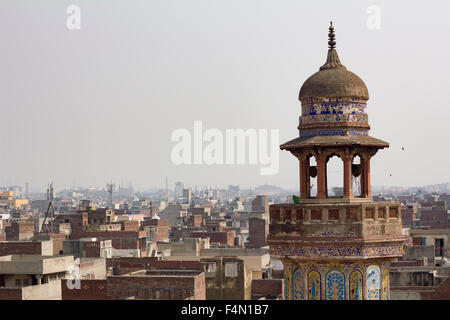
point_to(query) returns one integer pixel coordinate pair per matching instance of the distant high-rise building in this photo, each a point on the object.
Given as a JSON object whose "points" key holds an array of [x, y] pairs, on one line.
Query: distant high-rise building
{"points": [[187, 195], [233, 192], [178, 193]]}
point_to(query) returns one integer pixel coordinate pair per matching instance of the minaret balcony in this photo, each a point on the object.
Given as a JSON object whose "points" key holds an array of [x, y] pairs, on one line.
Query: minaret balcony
{"points": [[335, 219]]}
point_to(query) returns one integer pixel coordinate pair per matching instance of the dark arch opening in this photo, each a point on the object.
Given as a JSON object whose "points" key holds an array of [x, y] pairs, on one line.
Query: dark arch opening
{"points": [[356, 176], [312, 176]]}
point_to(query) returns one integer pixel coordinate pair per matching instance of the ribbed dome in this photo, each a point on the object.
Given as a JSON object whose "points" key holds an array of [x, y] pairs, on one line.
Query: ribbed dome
{"points": [[333, 80]]}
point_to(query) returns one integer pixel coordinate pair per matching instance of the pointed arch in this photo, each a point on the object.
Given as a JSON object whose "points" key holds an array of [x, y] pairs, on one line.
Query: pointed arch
{"points": [[335, 285], [356, 176], [314, 285], [385, 285], [298, 285], [312, 176], [334, 176], [373, 282], [355, 285]]}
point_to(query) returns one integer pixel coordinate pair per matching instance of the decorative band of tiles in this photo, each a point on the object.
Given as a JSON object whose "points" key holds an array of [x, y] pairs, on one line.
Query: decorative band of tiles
{"points": [[330, 108], [310, 100], [337, 251], [333, 118], [333, 132]]}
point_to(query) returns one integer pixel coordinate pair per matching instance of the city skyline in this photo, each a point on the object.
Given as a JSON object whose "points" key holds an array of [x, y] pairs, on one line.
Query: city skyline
{"points": [[158, 67], [224, 155]]}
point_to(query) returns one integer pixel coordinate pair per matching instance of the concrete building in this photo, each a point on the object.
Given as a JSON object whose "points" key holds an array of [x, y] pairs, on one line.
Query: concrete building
{"points": [[335, 248], [32, 277], [88, 247], [420, 274], [189, 247], [7, 197], [171, 214], [436, 238], [257, 261], [227, 278]]}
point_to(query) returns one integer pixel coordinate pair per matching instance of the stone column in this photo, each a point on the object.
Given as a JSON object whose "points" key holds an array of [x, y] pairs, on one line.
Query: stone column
{"points": [[321, 178], [348, 192], [365, 166], [304, 178]]}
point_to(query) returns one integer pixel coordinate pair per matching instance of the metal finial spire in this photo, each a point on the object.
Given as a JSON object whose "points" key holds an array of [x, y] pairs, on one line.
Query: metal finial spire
{"points": [[331, 38], [332, 57]]}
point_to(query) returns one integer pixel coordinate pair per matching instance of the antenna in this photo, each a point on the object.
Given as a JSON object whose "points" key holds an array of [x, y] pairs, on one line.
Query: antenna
{"points": [[26, 190], [50, 209], [167, 191], [110, 188]]}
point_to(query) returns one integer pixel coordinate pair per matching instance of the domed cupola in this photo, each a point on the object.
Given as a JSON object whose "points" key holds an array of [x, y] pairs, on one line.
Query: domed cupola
{"points": [[333, 99]]}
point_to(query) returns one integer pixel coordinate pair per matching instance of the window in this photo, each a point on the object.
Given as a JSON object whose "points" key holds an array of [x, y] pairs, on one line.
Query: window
{"points": [[211, 267], [316, 214], [299, 214], [231, 270], [157, 294], [287, 214], [18, 282], [439, 247]]}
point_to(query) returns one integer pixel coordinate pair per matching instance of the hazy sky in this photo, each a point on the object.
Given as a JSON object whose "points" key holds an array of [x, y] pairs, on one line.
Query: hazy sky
{"points": [[100, 103]]}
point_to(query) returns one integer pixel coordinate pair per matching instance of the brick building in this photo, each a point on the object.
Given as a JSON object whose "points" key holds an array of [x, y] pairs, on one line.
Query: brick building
{"points": [[43, 248], [205, 212], [195, 221], [100, 216], [268, 289], [18, 231], [258, 229], [434, 214], [124, 265], [260, 204], [77, 220], [130, 225], [156, 230], [124, 243], [142, 285], [88, 247], [222, 237], [409, 215], [56, 238]]}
